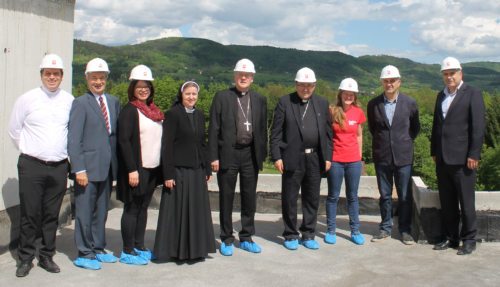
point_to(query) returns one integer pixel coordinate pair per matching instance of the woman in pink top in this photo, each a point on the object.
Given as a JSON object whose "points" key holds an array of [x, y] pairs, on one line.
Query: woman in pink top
{"points": [[347, 119]]}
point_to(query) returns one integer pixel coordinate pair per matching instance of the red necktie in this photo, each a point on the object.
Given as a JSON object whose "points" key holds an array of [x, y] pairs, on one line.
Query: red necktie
{"points": [[104, 112]]}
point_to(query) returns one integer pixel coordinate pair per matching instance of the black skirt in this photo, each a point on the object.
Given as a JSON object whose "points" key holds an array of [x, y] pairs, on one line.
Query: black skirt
{"points": [[185, 229]]}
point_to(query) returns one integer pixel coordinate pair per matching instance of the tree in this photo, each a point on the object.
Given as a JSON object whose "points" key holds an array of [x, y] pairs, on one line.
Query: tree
{"points": [[489, 170], [166, 92], [492, 103], [120, 90], [426, 125], [166, 89], [423, 164]]}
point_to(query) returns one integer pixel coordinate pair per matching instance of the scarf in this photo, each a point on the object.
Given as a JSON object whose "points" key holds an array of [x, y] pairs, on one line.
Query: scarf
{"points": [[152, 111]]}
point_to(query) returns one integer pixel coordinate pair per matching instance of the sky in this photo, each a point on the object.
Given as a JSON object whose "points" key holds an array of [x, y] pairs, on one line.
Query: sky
{"points": [[424, 31]]}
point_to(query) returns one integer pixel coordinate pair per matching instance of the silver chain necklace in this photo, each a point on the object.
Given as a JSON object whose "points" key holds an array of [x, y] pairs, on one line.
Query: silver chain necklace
{"points": [[305, 111], [246, 123]]}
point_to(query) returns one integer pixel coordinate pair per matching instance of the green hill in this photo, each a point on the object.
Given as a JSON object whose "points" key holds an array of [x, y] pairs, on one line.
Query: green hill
{"points": [[208, 61]]}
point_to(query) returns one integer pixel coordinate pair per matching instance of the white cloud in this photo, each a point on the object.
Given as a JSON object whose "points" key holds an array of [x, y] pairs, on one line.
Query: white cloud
{"points": [[155, 34], [469, 29], [471, 35]]}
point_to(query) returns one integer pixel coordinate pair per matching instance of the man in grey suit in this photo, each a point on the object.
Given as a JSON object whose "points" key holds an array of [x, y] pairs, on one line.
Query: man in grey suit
{"points": [[92, 152], [394, 125]]}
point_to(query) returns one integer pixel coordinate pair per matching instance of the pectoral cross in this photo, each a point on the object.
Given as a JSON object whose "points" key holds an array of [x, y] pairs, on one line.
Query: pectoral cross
{"points": [[247, 124]]}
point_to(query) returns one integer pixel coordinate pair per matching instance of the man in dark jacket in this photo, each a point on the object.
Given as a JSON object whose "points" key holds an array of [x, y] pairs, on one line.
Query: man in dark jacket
{"points": [[456, 140], [237, 140], [301, 149], [394, 125]]}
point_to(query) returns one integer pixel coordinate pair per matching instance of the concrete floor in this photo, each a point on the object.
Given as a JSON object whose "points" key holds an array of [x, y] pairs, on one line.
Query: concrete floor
{"points": [[387, 263]]}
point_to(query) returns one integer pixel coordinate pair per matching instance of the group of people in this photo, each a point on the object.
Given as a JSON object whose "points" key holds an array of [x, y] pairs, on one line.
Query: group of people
{"points": [[141, 147]]}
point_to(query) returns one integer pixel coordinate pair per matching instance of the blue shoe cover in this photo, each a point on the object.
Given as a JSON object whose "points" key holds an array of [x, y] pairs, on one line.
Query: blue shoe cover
{"points": [[330, 238], [132, 259], [358, 238], [310, 244], [86, 263], [146, 254], [106, 257], [291, 244], [250, 246], [226, 249]]}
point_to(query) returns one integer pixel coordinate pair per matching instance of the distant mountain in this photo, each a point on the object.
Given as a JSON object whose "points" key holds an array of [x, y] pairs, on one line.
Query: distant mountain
{"points": [[208, 61]]}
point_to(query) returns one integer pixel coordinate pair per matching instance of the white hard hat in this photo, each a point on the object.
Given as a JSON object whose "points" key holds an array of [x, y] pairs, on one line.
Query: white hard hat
{"points": [[141, 72], [305, 75], [450, 63], [244, 65], [389, 72], [52, 61], [349, 84], [97, 65]]}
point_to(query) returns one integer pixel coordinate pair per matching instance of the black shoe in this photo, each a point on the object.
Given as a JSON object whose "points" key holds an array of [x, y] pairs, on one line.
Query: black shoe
{"points": [[467, 248], [24, 269], [443, 245], [380, 236], [407, 239], [48, 264]]}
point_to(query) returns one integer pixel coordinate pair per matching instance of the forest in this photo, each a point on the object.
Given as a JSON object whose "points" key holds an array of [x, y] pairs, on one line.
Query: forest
{"points": [[174, 60], [489, 172]]}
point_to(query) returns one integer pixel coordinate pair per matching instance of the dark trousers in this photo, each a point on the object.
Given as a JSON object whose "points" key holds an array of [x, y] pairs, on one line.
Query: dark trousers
{"points": [[307, 179], [401, 176], [135, 214], [244, 164], [91, 213], [41, 190], [456, 188]]}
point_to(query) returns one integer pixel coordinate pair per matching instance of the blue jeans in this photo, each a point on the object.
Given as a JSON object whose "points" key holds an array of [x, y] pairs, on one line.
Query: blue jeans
{"points": [[351, 171], [386, 176]]}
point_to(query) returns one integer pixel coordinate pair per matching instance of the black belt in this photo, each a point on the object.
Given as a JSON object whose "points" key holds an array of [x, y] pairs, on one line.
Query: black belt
{"points": [[309, 150], [242, 146], [51, 163]]}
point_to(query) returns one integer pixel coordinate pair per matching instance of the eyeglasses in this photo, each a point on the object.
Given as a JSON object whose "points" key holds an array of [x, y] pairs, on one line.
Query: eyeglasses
{"points": [[390, 81], [306, 85], [52, 74], [449, 73], [142, 88], [244, 75]]}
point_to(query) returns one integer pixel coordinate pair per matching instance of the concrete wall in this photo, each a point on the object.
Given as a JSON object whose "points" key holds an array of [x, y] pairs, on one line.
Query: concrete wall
{"points": [[427, 227], [29, 29]]}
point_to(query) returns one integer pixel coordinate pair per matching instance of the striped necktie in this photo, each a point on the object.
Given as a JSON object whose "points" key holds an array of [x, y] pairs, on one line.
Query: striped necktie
{"points": [[104, 112]]}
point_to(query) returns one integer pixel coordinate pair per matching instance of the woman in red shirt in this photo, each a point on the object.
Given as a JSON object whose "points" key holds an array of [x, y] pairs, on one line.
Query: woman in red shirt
{"points": [[347, 118]]}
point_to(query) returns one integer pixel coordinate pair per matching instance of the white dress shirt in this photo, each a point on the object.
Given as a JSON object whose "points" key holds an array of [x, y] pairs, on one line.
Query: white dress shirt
{"points": [[39, 123], [448, 99]]}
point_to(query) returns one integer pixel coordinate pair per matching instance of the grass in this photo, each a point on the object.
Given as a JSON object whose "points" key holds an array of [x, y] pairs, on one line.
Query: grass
{"points": [[268, 168]]}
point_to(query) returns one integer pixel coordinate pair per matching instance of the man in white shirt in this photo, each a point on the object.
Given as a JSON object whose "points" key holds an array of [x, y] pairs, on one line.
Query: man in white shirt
{"points": [[39, 127]]}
